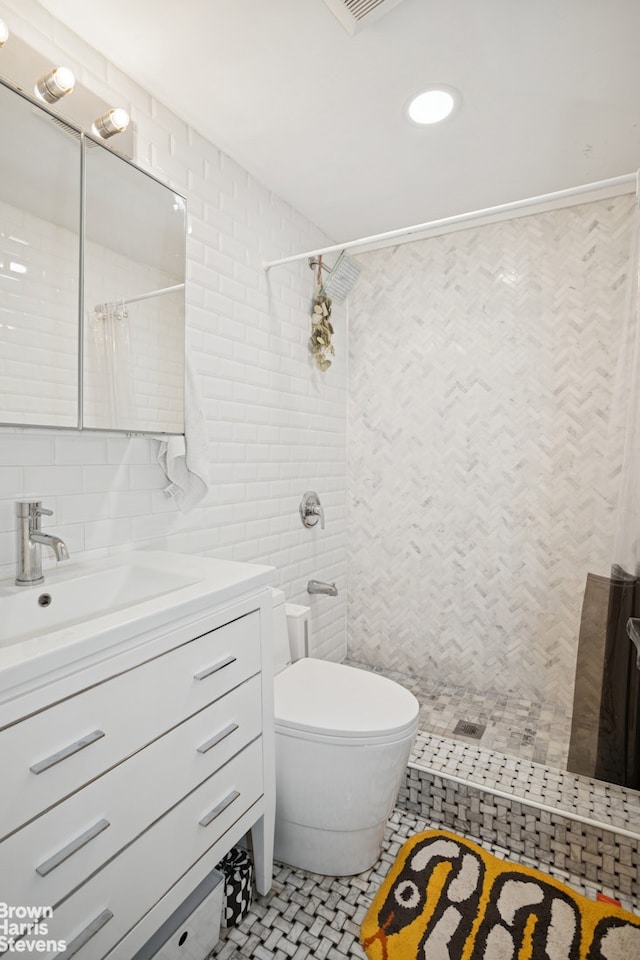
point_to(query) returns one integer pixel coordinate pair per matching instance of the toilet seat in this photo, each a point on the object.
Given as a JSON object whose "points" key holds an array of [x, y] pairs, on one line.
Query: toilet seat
{"points": [[331, 702]]}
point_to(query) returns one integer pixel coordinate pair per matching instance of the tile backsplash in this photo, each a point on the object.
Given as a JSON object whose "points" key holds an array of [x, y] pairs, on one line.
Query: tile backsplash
{"points": [[276, 426]]}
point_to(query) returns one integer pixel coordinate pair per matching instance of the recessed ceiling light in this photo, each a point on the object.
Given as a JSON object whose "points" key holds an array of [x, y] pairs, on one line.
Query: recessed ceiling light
{"points": [[433, 105]]}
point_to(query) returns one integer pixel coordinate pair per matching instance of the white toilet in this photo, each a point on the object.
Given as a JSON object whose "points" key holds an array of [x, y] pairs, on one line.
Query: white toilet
{"points": [[343, 738]]}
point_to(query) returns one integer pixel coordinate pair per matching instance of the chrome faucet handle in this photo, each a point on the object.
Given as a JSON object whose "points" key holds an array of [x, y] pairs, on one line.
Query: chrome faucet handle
{"points": [[26, 508], [311, 509], [30, 511]]}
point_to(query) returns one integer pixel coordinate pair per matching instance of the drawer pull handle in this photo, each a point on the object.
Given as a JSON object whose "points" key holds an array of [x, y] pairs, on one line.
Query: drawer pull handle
{"points": [[220, 665], [211, 816], [48, 865], [218, 738], [90, 931], [80, 744]]}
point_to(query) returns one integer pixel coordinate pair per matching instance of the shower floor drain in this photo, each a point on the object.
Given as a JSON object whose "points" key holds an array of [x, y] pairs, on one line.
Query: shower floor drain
{"points": [[466, 728]]}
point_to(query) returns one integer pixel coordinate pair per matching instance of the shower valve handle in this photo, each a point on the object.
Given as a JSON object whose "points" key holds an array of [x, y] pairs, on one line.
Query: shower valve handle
{"points": [[311, 510]]}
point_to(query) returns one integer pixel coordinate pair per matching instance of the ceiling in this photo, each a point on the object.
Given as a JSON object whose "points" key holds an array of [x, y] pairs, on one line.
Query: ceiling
{"points": [[550, 96]]}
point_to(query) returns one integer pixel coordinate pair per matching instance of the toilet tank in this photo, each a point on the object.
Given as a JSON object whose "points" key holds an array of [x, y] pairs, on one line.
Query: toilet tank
{"points": [[298, 630], [290, 631]]}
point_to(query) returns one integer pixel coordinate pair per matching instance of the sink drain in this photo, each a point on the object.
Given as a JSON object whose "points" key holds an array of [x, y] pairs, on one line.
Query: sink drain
{"points": [[466, 728]]}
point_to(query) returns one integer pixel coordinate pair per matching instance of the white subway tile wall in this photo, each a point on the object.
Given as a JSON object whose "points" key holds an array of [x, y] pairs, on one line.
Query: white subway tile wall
{"points": [[133, 365], [38, 335], [276, 425]]}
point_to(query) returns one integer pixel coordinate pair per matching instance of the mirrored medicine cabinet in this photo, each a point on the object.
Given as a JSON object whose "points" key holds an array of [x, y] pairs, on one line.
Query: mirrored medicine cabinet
{"points": [[92, 281]]}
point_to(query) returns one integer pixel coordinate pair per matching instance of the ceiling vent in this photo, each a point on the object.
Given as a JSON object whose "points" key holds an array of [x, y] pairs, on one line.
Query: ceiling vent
{"points": [[356, 14]]}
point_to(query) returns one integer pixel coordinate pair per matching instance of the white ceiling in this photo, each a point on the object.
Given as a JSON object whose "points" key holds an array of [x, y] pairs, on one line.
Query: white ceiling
{"points": [[550, 96]]}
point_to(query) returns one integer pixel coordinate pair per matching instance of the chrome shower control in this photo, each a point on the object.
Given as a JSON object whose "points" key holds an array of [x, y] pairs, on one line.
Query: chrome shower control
{"points": [[311, 509]]}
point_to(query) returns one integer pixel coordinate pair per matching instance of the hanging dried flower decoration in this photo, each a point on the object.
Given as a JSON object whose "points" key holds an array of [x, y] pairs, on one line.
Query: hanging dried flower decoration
{"points": [[321, 329]]}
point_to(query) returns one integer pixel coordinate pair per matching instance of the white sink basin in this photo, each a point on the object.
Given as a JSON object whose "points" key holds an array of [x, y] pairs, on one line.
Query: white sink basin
{"points": [[89, 609], [50, 606]]}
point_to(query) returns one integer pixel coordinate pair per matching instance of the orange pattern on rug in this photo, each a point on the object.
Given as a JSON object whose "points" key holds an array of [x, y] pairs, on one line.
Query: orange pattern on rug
{"points": [[446, 898]]}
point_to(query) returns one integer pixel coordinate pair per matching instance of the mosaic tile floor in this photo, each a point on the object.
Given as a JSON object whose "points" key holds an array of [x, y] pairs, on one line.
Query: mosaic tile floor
{"points": [[514, 726], [604, 803], [522, 751], [309, 916]]}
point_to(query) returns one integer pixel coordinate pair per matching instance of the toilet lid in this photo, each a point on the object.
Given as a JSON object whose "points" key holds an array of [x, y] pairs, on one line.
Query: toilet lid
{"points": [[331, 699]]}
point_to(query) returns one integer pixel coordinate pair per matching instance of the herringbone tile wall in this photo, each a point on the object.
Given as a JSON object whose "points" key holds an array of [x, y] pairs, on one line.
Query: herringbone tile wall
{"points": [[482, 366]]}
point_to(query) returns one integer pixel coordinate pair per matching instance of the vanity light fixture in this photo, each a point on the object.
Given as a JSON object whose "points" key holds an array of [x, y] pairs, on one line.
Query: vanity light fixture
{"points": [[433, 104], [55, 85], [113, 121], [4, 33]]}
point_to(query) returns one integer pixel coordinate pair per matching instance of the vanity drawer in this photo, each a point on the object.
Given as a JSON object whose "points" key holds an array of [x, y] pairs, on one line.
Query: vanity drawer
{"points": [[133, 882], [46, 860], [49, 755]]}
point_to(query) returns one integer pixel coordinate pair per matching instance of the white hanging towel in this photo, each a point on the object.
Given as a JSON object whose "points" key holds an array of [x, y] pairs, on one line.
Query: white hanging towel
{"points": [[185, 458]]}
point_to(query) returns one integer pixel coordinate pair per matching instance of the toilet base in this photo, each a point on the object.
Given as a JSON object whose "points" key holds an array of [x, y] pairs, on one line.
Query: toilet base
{"points": [[334, 853], [333, 799]]}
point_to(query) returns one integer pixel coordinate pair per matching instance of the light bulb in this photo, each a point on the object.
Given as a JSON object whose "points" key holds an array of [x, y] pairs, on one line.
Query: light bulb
{"points": [[54, 85], [433, 105], [112, 122]]}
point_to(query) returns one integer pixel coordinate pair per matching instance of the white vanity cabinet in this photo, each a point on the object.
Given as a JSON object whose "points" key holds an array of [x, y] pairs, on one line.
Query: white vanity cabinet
{"points": [[127, 776]]}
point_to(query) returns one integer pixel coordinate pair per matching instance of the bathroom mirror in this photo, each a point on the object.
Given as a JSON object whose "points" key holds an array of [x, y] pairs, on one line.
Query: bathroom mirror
{"points": [[92, 320], [134, 269], [39, 265]]}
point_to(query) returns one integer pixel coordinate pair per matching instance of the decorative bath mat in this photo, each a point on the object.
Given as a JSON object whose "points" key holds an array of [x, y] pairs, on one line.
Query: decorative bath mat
{"points": [[446, 898]]}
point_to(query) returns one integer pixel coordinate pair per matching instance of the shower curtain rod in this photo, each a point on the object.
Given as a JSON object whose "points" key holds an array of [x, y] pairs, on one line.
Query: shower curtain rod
{"points": [[153, 293], [611, 187], [145, 296]]}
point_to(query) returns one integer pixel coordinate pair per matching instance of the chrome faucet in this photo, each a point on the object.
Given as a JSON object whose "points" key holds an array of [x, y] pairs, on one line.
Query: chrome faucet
{"points": [[30, 539], [319, 586]]}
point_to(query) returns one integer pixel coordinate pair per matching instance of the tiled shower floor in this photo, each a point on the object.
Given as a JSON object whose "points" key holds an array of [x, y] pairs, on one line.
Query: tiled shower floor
{"points": [[515, 726], [522, 751], [309, 916]]}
